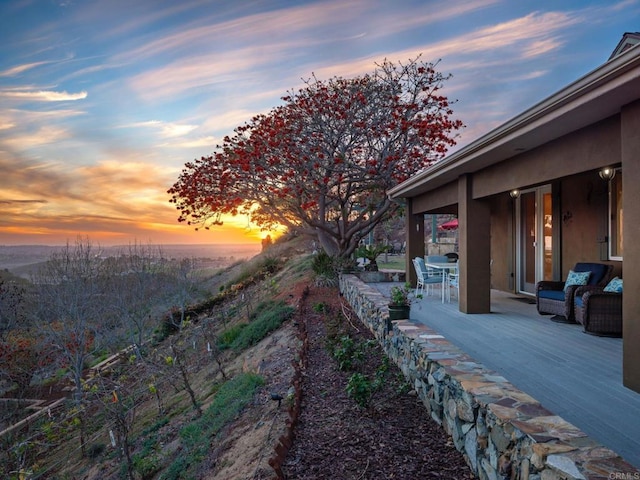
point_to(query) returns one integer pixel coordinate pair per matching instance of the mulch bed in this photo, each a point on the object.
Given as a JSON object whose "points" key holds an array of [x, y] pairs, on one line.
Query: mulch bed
{"points": [[393, 438]]}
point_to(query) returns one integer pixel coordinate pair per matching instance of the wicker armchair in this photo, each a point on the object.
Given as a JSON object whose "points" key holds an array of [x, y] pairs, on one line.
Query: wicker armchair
{"points": [[599, 312], [551, 299]]}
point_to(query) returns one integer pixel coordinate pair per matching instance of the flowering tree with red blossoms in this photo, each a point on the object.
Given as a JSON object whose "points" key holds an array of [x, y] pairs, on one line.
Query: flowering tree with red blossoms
{"points": [[324, 161]]}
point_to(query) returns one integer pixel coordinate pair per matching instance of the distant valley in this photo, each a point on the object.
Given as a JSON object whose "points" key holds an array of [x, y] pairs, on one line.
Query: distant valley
{"points": [[23, 260]]}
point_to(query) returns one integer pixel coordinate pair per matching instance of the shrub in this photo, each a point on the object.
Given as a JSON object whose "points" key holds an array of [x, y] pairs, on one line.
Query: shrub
{"points": [[326, 269], [229, 336], [267, 317], [359, 388], [345, 353], [323, 264], [348, 353], [95, 450], [146, 466], [362, 388], [321, 307]]}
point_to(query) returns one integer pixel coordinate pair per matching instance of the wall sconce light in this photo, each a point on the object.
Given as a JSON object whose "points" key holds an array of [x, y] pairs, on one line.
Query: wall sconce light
{"points": [[607, 173], [515, 193]]}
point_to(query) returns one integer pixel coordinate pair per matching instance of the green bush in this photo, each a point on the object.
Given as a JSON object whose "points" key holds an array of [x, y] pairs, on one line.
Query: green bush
{"points": [[345, 353], [361, 388], [95, 450], [267, 317], [229, 336], [349, 353], [326, 269], [146, 465], [321, 307], [176, 469], [191, 436], [323, 264], [156, 426], [270, 264]]}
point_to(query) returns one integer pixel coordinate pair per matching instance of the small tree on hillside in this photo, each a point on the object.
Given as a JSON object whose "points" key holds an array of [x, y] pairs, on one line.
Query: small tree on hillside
{"points": [[183, 289], [117, 396], [72, 303], [323, 162], [137, 284], [12, 307]]}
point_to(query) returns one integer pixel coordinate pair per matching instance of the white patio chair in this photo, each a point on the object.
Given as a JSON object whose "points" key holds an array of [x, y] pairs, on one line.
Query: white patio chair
{"points": [[427, 278], [453, 282]]}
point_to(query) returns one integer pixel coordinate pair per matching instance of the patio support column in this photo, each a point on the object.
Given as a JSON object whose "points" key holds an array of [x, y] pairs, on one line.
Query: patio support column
{"points": [[415, 240], [630, 137], [475, 249]]}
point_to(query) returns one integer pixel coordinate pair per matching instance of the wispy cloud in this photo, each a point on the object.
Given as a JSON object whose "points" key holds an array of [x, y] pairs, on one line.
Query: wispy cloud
{"points": [[44, 95], [46, 134], [202, 142], [624, 5], [166, 129], [18, 69], [284, 33], [12, 201]]}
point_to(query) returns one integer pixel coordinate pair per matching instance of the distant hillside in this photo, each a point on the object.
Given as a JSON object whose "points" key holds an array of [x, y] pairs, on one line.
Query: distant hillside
{"points": [[24, 260]]}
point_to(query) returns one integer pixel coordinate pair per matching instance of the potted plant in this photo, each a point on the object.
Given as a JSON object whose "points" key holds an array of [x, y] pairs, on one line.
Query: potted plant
{"points": [[400, 303]]}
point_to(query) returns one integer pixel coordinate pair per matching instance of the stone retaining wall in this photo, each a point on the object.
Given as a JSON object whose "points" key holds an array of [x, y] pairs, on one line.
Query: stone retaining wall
{"points": [[502, 432]]}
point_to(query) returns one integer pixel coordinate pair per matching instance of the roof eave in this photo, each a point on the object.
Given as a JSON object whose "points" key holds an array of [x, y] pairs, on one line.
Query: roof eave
{"points": [[588, 88]]}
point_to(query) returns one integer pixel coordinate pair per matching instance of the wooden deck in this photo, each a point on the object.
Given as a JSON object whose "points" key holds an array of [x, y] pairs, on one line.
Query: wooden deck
{"points": [[575, 375]]}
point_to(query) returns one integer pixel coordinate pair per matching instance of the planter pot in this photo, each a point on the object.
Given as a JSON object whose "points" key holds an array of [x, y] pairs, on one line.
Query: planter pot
{"points": [[399, 312]]}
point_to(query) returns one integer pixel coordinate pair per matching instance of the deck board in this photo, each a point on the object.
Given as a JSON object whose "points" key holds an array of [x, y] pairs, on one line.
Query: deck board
{"points": [[575, 375]]}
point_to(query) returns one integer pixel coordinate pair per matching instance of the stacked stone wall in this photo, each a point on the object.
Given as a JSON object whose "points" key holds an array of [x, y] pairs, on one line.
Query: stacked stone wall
{"points": [[502, 432]]}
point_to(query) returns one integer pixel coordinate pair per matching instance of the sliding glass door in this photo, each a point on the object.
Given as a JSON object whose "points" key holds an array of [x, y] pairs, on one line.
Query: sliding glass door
{"points": [[533, 238]]}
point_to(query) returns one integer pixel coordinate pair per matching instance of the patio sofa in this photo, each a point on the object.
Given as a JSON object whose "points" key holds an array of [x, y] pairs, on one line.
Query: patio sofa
{"points": [[599, 309], [552, 298]]}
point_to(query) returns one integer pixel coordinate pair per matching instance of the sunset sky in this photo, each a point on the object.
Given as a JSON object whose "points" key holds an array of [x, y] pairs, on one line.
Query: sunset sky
{"points": [[102, 102]]}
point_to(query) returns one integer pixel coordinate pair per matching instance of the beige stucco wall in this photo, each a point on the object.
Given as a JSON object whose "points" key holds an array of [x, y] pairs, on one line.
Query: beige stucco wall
{"points": [[502, 277], [578, 152], [584, 206]]}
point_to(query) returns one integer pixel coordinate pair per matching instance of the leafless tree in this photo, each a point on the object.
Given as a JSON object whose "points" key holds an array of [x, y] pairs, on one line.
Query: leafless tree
{"points": [[136, 286], [12, 307], [72, 304], [184, 288]]}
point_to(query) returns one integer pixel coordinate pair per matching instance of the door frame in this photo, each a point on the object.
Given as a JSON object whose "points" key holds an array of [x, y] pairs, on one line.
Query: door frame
{"points": [[523, 287]]}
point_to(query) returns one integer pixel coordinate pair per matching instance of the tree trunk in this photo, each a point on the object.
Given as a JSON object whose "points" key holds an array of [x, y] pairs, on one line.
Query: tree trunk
{"points": [[185, 380]]}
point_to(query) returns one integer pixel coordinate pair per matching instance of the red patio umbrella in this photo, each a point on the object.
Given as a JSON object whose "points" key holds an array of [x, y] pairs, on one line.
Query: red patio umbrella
{"points": [[450, 225]]}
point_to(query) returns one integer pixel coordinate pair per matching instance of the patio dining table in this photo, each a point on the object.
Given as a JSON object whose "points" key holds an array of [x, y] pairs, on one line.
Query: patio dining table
{"points": [[446, 269]]}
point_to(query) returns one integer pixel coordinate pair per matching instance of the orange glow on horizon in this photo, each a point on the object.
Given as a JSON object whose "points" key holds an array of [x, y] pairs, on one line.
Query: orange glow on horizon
{"points": [[157, 233]]}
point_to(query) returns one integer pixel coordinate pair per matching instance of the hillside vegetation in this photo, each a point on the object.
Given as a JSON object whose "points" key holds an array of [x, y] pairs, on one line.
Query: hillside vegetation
{"points": [[271, 376], [167, 412]]}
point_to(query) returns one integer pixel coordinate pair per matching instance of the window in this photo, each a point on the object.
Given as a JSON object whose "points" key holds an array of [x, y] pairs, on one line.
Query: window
{"points": [[615, 217]]}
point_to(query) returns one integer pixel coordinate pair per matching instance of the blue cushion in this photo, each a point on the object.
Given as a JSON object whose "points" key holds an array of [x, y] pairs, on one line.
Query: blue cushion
{"points": [[579, 302], [615, 285], [576, 278], [598, 271], [421, 265], [552, 294]]}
